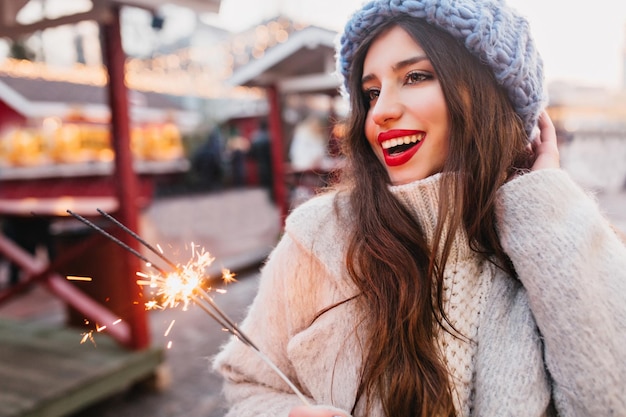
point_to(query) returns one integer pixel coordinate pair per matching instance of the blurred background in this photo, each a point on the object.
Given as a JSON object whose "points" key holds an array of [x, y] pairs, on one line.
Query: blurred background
{"points": [[200, 123]]}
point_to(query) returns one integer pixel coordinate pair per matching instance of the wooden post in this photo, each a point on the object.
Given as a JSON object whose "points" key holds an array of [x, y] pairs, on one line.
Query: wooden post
{"points": [[278, 158], [125, 178]]}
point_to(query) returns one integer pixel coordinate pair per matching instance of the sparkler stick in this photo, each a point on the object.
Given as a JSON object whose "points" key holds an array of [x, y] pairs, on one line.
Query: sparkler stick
{"points": [[136, 236], [249, 343], [116, 240], [198, 295]]}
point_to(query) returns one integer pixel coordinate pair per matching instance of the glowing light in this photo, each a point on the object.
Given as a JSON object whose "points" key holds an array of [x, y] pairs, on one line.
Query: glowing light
{"points": [[179, 286], [169, 328], [88, 336], [85, 337], [228, 276], [75, 278]]}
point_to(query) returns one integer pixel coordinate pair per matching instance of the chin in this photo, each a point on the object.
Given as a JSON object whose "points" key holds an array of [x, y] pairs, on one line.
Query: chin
{"points": [[405, 180], [400, 178]]}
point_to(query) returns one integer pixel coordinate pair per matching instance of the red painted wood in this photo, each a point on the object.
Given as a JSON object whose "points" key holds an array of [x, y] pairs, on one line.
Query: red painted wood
{"points": [[71, 187], [9, 117], [125, 178], [59, 286], [278, 153]]}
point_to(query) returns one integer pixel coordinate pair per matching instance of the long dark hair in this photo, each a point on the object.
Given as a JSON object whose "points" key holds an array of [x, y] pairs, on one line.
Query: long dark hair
{"points": [[397, 272]]}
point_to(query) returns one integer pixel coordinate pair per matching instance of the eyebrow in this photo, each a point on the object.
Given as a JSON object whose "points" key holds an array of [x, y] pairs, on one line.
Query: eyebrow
{"points": [[398, 66]]}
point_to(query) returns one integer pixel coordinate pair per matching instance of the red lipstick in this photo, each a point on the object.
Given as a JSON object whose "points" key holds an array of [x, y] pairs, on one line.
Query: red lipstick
{"points": [[400, 158]]}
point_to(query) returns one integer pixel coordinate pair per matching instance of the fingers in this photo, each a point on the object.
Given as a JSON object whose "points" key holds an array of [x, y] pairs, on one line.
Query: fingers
{"points": [[546, 127], [545, 146]]}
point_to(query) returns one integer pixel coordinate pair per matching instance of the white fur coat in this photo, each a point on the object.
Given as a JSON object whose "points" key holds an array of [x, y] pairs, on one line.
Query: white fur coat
{"points": [[554, 340]]}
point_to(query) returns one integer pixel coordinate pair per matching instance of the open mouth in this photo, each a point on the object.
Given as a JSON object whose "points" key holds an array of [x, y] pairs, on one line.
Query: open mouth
{"points": [[400, 150], [398, 145]]}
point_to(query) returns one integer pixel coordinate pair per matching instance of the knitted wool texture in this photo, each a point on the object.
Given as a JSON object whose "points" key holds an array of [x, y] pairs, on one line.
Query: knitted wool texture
{"points": [[493, 32], [466, 283]]}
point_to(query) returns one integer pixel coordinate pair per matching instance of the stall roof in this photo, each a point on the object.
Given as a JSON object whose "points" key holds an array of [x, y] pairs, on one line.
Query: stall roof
{"points": [[9, 9], [201, 6], [37, 90], [304, 63], [15, 93], [34, 98]]}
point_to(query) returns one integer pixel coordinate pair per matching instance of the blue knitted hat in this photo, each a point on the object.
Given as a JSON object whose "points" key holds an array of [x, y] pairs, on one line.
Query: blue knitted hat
{"points": [[497, 35]]}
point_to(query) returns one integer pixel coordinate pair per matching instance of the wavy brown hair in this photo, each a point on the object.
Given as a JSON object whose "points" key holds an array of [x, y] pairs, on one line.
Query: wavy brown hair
{"points": [[397, 273]]}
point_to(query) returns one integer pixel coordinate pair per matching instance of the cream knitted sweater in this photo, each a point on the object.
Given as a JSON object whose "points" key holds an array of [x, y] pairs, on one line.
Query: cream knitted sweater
{"points": [[553, 340]]}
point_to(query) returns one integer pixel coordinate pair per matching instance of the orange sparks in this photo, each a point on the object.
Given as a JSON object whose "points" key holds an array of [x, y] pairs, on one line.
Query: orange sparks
{"points": [[228, 276], [180, 286], [88, 336], [167, 332], [75, 278], [169, 344]]}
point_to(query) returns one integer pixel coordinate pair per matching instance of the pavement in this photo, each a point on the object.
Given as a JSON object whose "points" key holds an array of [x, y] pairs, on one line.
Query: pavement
{"points": [[239, 227]]}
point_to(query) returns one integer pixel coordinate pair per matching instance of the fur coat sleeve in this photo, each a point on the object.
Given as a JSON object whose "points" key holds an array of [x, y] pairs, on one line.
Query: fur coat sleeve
{"points": [[295, 286], [572, 265]]}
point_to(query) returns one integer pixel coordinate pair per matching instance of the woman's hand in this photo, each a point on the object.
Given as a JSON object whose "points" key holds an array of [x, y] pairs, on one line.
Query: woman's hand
{"points": [[545, 148], [313, 412]]}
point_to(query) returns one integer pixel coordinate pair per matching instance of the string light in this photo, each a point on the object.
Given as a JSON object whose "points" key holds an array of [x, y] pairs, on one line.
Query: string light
{"points": [[193, 71]]}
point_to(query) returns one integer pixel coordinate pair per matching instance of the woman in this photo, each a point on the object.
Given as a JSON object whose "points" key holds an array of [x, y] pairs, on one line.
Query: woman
{"points": [[456, 271]]}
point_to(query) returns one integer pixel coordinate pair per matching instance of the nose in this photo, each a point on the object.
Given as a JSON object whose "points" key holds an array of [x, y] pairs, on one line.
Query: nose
{"points": [[387, 107]]}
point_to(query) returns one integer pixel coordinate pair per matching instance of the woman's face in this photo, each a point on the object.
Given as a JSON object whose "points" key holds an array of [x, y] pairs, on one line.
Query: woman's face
{"points": [[407, 124]]}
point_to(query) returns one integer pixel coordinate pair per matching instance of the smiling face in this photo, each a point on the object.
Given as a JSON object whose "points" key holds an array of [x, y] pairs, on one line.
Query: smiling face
{"points": [[407, 123]]}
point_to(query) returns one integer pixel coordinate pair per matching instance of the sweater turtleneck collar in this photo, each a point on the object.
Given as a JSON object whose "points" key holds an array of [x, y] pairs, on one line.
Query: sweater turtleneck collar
{"points": [[465, 286], [422, 199]]}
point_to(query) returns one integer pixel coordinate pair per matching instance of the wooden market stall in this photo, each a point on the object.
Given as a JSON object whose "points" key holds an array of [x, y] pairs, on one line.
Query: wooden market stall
{"points": [[43, 371], [303, 64]]}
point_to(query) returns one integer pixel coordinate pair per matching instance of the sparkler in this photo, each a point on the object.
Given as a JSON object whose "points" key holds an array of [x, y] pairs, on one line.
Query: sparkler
{"points": [[184, 285]]}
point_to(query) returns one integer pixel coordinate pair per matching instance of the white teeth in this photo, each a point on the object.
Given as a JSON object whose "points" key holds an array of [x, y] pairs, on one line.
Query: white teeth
{"points": [[403, 140]]}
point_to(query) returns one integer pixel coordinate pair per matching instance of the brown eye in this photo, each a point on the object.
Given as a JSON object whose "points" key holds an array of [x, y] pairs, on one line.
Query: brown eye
{"points": [[371, 94], [417, 77]]}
